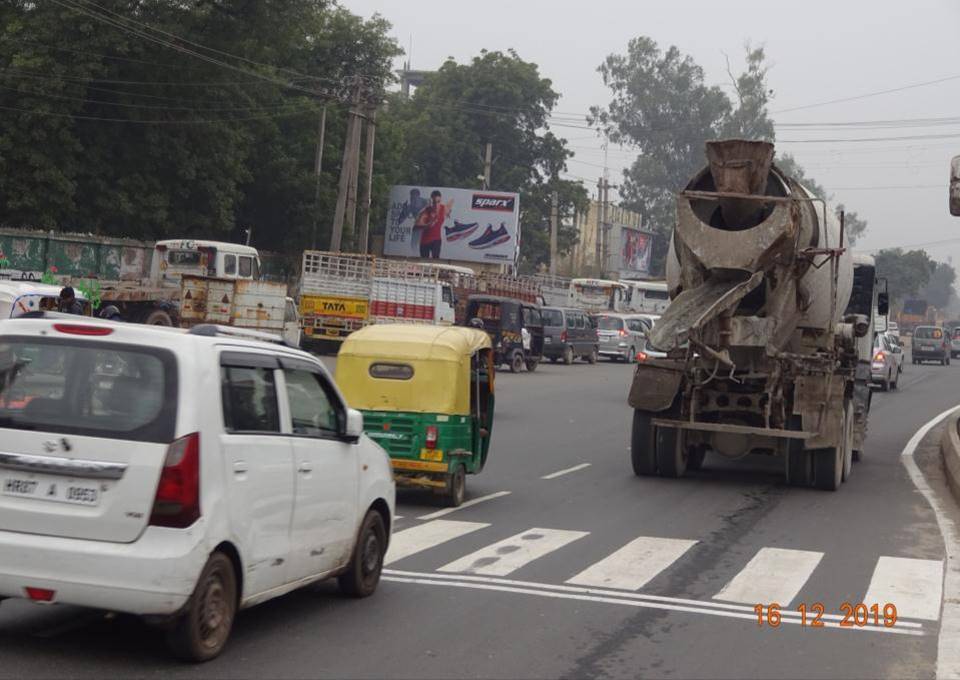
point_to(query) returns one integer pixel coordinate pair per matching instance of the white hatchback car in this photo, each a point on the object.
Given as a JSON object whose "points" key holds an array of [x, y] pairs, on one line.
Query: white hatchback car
{"points": [[179, 475]]}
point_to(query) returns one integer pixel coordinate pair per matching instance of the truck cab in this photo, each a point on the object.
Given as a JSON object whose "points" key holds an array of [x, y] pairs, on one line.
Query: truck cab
{"points": [[174, 258]]}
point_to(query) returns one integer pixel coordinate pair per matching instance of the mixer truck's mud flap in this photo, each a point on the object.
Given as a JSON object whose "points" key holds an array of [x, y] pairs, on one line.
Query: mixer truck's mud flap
{"points": [[655, 385]]}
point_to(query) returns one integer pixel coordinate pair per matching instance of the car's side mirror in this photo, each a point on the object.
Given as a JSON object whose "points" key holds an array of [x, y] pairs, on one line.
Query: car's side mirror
{"points": [[354, 425], [883, 304], [897, 350]]}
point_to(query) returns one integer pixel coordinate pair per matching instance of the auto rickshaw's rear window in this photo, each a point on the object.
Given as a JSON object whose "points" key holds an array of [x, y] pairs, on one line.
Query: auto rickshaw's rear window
{"points": [[391, 371]]}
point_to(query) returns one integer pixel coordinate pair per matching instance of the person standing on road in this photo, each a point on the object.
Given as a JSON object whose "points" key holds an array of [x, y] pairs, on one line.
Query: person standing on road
{"points": [[69, 304], [432, 218]]}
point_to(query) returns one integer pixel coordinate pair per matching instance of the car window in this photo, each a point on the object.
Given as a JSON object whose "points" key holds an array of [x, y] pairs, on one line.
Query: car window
{"points": [[571, 321], [311, 408], [446, 294], [552, 317], [580, 321], [93, 389], [636, 325], [610, 323], [230, 265], [249, 399], [246, 267]]}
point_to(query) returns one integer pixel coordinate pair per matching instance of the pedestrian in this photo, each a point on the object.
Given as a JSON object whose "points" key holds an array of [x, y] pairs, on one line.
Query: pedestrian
{"points": [[69, 304]]}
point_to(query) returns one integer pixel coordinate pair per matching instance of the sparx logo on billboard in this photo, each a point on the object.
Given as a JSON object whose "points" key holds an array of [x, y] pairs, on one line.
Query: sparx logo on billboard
{"points": [[493, 202]]}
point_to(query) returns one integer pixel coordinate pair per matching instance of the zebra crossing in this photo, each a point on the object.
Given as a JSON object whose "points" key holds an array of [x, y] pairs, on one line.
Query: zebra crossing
{"points": [[773, 574]]}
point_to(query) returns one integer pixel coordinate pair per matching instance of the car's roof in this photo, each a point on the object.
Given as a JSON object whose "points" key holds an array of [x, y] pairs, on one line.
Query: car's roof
{"points": [[17, 288]]}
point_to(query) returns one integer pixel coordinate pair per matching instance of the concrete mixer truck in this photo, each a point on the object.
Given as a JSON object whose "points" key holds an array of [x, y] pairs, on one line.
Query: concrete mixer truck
{"points": [[768, 334]]}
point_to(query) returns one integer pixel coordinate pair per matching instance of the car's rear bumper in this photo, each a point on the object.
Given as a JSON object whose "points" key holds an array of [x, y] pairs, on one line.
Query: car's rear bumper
{"points": [[154, 575], [929, 354], [555, 349]]}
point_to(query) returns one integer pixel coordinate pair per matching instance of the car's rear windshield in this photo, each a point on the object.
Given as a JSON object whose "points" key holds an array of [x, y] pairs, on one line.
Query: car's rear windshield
{"points": [[552, 317], [88, 388], [610, 323], [956, 333], [928, 333]]}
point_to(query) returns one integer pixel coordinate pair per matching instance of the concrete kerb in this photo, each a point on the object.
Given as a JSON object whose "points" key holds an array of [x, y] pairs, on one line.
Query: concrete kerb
{"points": [[950, 450]]}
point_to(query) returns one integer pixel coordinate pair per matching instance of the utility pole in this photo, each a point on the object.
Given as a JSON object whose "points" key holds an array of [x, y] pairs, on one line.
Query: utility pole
{"points": [[350, 219], [554, 231], [599, 246], [368, 185], [346, 170], [487, 166], [604, 226], [317, 167]]}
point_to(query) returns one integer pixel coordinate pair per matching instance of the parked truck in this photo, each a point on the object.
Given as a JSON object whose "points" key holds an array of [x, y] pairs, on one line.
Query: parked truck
{"points": [[763, 353]]}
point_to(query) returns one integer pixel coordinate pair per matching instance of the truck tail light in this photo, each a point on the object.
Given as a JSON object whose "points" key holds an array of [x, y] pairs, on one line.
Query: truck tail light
{"points": [[177, 502], [431, 438]]}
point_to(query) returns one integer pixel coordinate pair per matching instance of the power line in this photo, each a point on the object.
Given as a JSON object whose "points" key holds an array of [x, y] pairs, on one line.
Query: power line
{"points": [[867, 139], [134, 121], [869, 94]]}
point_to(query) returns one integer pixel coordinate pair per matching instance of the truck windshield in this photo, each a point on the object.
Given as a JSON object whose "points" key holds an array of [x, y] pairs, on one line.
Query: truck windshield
{"points": [[84, 388], [183, 258]]}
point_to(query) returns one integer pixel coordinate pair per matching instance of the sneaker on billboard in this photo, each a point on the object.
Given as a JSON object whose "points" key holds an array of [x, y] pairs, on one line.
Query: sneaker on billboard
{"points": [[460, 230], [491, 237]]}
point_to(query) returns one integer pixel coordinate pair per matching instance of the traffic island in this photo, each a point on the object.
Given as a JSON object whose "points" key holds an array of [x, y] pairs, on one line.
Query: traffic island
{"points": [[950, 449]]}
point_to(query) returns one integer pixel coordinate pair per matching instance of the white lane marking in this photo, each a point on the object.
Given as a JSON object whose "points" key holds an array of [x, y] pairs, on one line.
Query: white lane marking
{"points": [[398, 516], [913, 586], [948, 641], [635, 564], [567, 471], [773, 575], [467, 504], [625, 599], [607, 592], [506, 556], [423, 536]]}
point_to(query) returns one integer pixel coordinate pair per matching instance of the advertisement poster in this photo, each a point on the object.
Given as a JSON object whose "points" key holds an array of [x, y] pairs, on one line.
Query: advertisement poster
{"points": [[633, 252], [453, 224]]}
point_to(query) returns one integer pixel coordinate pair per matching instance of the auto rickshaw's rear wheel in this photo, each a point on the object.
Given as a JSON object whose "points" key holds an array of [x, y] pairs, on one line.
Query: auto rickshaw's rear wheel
{"points": [[643, 455], [516, 362], [456, 487]]}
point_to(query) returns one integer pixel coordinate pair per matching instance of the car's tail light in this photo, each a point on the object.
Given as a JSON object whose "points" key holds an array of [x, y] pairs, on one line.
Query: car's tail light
{"points": [[642, 356], [177, 503], [879, 358], [623, 333], [563, 336], [431, 439], [75, 329], [40, 594]]}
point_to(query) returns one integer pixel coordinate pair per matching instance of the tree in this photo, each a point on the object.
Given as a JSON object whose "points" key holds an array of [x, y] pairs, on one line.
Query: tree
{"points": [[499, 99], [907, 272], [114, 133], [853, 225], [663, 108], [939, 290]]}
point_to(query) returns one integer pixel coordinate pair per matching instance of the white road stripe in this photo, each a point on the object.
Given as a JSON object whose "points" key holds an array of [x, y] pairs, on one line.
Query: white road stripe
{"points": [[912, 586], [635, 564], [606, 592], [610, 597], [773, 575], [472, 502], [508, 555], [423, 536], [560, 473]]}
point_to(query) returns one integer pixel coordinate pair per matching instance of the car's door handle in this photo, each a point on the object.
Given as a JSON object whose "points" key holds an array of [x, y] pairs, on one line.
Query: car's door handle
{"points": [[240, 468], [305, 467]]}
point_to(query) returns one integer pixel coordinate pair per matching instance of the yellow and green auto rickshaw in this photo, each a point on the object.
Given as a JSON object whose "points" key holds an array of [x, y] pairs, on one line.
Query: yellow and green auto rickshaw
{"points": [[427, 397]]}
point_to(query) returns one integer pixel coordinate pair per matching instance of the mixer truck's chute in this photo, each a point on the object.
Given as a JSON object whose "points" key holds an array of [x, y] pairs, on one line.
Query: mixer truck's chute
{"points": [[955, 187]]}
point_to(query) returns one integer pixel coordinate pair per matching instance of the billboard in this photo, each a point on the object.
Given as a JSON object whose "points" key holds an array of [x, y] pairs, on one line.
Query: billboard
{"points": [[630, 252], [453, 224]]}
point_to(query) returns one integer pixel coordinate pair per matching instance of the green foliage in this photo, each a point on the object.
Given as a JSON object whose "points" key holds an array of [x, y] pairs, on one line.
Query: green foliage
{"points": [[939, 290], [499, 99], [90, 290], [907, 272], [119, 135]]}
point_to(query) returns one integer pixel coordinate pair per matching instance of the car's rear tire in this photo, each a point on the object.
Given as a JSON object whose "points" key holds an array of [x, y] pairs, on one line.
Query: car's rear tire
{"points": [[202, 630], [632, 356], [532, 365], [593, 356], [885, 385], [568, 356], [363, 574], [643, 453]]}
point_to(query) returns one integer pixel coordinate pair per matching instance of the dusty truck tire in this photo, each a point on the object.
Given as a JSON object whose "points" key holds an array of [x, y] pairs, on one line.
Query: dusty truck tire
{"points": [[828, 468], [202, 631], [695, 457], [363, 574], [643, 453], [158, 317], [671, 453]]}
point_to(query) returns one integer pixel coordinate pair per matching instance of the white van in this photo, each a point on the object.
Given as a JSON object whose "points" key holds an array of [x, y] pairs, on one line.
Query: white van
{"points": [[179, 475]]}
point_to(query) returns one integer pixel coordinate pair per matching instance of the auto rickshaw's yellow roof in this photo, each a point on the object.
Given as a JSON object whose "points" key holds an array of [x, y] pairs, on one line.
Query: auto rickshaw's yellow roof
{"points": [[415, 341]]}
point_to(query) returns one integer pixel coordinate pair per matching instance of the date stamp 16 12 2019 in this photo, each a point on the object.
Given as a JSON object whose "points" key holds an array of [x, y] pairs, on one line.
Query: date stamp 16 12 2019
{"points": [[857, 615]]}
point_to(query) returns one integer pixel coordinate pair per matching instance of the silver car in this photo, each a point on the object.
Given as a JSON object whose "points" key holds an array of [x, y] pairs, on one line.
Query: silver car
{"points": [[621, 336]]}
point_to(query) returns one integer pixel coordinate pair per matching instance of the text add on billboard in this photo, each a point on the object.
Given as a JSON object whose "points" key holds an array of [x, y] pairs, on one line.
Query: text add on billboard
{"points": [[453, 224], [631, 253]]}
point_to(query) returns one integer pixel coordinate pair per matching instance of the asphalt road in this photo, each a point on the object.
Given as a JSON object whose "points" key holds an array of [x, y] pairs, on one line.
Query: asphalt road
{"points": [[593, 572]]}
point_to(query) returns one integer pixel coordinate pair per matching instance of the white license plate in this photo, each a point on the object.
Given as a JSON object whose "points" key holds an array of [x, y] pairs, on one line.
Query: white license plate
{"points": [[548, 340], [52, 489]]}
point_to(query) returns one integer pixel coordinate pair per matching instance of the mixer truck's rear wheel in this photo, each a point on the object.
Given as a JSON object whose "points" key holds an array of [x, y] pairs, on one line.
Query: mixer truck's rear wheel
{"points": [[799, 459], [642, 446], [695, 456], [671, 453], [828, 467]]}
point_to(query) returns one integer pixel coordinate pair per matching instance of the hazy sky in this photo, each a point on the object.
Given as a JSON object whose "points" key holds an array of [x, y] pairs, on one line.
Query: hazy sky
{"points": [[819, 51]]}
